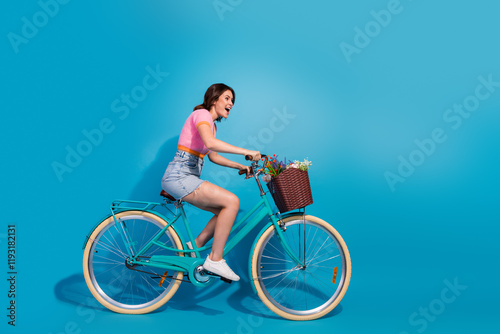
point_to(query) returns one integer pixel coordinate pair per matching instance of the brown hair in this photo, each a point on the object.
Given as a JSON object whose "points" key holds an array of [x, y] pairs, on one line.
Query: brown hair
{"points": [[212, 94]]}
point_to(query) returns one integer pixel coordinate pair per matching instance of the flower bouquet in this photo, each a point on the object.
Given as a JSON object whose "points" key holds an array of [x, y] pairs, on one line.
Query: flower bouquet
{"points": [[288, 182]]}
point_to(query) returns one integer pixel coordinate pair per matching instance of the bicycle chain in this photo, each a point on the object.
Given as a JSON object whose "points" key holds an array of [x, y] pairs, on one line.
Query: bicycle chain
{"points": [[155, 275]]}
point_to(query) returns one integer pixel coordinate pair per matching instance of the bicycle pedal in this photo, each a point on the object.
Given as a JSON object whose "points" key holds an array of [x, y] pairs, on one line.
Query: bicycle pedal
{"points": [[226, 280]]}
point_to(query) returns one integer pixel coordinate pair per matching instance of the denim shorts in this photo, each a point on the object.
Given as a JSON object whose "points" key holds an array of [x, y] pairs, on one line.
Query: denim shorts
{"points": [[182, 176]]}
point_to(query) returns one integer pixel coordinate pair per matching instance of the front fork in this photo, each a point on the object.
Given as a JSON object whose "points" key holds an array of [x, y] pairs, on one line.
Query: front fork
{"points": [[280, 230]]}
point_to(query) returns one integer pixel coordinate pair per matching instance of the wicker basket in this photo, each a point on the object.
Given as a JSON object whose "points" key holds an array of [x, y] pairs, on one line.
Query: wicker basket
{"points": [[291, 189]]}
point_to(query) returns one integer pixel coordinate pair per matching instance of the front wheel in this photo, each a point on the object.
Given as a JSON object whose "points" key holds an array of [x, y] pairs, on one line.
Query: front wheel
{"points": [[301, 292], [116, 284]]}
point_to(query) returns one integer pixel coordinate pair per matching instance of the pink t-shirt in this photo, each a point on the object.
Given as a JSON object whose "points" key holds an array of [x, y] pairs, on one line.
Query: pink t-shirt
{"points": [[190, 139]]}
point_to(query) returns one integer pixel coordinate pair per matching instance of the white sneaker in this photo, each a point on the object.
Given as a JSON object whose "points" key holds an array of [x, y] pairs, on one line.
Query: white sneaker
{"points": [[220, 268], [190, 246]]}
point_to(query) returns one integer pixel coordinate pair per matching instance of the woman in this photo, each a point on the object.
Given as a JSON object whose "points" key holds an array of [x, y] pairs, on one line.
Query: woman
{"points": [[182, 177]]}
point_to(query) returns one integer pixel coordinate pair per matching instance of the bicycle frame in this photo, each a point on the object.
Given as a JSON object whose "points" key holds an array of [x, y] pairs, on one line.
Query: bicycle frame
{"points": [[188, 264]]}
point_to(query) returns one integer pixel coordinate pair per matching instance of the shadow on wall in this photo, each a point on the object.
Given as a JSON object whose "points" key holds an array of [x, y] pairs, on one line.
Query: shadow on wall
{"points": [[149, 187]]}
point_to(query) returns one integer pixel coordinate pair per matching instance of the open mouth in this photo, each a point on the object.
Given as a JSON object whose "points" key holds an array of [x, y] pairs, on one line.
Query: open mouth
{"points": [[227, 109]]}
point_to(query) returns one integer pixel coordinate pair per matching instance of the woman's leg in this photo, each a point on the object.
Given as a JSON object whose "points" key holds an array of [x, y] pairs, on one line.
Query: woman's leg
{"points": [[207, 233], [224, 204]]}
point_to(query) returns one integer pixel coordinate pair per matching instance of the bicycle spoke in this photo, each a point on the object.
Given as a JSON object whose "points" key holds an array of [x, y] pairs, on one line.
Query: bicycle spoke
{"points": [[282, 253], [305, 290], [154, 252], [110, 262], [296, 281], [271, 263], [148, 283], [143, 244], [292, 243], [325, 270], [109, 248], [319, 281], [332, 242], [115, 243], [124, 290], [276, 296], [144, 236], [117, 277], [319, 249], [285, 272], [103, 272], [275, 258], [316, 264], [309, 243]]}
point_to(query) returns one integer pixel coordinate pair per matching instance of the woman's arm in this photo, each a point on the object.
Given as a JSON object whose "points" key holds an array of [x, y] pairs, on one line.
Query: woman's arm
{"points": [[217, 145], [220, 160]]}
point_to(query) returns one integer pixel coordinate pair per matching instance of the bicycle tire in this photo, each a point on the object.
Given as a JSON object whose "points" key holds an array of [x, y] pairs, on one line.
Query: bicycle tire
{"points": [[286, 289], [118, 287]]}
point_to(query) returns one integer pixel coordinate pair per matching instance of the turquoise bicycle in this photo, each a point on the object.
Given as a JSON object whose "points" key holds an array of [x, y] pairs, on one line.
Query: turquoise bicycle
{"points": [[135, 259]]}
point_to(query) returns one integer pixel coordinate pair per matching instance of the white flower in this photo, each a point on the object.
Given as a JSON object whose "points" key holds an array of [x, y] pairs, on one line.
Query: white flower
{"points": [[304, 165], [267, 178]]}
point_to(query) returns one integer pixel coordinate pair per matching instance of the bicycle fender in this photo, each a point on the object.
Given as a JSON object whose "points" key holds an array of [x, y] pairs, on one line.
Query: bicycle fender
{"points": [[87, 237]]}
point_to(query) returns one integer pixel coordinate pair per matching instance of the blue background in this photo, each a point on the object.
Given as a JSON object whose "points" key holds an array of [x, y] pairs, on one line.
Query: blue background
{"points": [[352, 115]]}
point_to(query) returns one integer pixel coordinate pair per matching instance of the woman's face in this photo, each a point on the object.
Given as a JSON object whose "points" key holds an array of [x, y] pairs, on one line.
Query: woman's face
{"points": [[224, 104]]}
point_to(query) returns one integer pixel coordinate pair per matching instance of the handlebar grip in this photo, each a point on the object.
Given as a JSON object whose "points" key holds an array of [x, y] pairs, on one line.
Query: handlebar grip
{"points": [[249, 157], [242, 171]]}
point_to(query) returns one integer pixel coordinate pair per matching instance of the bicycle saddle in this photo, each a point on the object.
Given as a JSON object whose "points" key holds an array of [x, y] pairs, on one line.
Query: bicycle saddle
{"points": [[167, 195]]}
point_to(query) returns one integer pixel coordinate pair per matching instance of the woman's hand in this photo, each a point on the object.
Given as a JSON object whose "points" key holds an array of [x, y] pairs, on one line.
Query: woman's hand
{"points": [[255, 155], [247, 169]]}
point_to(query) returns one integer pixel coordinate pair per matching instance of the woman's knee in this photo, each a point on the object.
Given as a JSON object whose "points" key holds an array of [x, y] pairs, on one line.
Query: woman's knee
{"points": [[232, 201], [217, 197]]}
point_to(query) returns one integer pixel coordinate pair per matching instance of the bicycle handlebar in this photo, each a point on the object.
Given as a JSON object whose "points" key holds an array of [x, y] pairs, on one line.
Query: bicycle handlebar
{"points": [[249, 157]]}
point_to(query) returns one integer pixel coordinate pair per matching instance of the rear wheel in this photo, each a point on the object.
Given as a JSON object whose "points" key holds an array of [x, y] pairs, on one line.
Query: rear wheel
{"points": [[301, 292], [119, 286]]}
